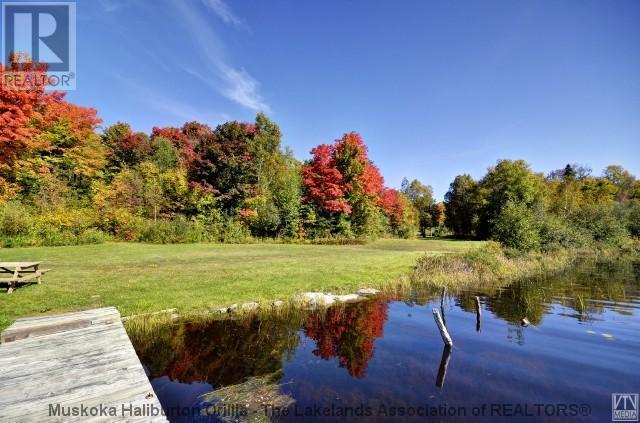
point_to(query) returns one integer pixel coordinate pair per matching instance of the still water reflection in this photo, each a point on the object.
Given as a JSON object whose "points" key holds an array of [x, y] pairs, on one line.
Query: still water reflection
{"points": [[385, 355]]}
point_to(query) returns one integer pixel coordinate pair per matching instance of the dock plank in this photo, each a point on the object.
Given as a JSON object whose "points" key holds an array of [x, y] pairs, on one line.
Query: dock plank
{"points": [[43, 325], [73, 360]]}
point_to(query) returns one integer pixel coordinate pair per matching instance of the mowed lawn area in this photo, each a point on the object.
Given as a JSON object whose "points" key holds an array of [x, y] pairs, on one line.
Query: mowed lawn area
{"points": [[138, 278]]}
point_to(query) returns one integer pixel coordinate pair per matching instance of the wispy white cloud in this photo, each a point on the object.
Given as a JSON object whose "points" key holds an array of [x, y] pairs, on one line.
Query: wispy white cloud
{"points": [[209, 62], [235, 84], [243, 89], [224, 12]]}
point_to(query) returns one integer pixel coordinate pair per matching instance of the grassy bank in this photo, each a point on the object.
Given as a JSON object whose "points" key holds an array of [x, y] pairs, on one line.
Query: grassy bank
{"points": [[485, 266], [492, 266], [139, 278]]}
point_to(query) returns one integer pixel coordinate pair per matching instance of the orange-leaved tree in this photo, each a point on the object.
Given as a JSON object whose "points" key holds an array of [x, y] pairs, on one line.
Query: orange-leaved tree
{"points": [[340, 180], [17, 106]]}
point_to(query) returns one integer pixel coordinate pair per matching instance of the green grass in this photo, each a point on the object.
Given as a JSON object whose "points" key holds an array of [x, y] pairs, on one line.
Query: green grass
{"points": [[139, 278]]}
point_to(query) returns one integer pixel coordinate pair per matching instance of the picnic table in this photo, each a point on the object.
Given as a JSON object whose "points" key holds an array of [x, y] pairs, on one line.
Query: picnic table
{"points": [[21, 272]]}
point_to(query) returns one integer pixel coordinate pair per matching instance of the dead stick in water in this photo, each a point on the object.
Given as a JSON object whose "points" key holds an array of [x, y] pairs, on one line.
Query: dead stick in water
{"points": [[478, 314], [443, 329]]}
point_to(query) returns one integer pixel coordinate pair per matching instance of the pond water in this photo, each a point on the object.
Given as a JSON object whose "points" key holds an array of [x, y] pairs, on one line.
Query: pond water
{"points": [[384, 360]]}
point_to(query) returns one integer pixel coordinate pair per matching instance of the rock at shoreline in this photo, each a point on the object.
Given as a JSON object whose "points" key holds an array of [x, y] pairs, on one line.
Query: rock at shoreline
{"points": [[348, 298], [316, 299], [368, 291]]}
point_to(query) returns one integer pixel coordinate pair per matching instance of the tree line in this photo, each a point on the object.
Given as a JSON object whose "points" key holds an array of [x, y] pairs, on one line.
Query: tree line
{"points": [[64, 179]]}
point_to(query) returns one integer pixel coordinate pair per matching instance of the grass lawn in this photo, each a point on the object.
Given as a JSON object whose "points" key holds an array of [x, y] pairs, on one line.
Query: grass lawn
{"points": [[139, 278]]}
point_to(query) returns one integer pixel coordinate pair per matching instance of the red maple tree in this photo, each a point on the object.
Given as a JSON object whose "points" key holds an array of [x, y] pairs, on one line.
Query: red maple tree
{"points": [[351, 155], [325, 184], [17, 106], [180, 140], [393, 204], [341, 174]]}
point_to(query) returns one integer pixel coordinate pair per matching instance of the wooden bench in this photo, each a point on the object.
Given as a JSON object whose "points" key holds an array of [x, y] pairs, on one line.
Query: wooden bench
{"points": [[21, 272]]}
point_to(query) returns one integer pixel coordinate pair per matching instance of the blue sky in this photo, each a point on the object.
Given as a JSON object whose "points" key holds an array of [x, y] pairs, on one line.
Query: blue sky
{"points": [[435, 88]]}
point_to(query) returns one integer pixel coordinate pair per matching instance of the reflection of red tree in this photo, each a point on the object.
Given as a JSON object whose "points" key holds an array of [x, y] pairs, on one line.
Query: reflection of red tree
{"points": [[348, 334]]}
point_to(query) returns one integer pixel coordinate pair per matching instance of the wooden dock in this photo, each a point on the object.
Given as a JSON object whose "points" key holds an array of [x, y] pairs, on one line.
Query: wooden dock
{"points": [[52, 366]]}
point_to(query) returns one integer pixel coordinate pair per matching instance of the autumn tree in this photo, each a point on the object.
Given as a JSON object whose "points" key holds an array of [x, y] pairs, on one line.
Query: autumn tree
{"points": [[182, 142], [17, 107], [364, 182], [45, 140], [438, 215], [345, 186], [125, 148], [66, 146], [402, 217], [392, 204], [325, 185], [224, 163]]}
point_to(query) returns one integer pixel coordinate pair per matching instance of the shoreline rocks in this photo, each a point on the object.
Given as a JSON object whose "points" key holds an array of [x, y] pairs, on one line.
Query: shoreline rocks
{"points": [[320, 299], [348, 298], [365, 292], [315, 299], [306, 299]]}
